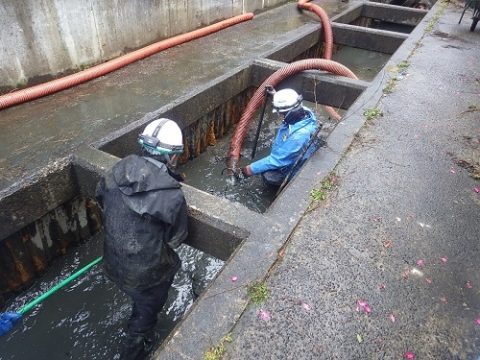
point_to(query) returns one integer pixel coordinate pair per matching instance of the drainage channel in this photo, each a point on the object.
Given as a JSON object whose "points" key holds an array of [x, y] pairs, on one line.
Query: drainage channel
{"points": [[219, 223]]}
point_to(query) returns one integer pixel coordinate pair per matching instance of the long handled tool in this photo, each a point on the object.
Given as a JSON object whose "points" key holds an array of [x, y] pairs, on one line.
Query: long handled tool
{"points": [[266, 92], [8, 320]]}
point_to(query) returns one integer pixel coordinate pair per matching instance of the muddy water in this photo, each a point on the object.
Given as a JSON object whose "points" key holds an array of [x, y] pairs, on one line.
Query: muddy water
{"points": [[86, 319]]}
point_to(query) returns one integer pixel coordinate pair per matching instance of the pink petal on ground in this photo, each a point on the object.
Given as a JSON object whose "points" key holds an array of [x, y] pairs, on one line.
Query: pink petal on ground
{"points": [[444, 259], [478, 321], [444, 300], [452, 170], [234, 278], [382, 286], [409, 355], [428, 280], [264, 315], [468, 285], [364, 306], [420, 263], [392, 318], [477, 190], [306, 306]]}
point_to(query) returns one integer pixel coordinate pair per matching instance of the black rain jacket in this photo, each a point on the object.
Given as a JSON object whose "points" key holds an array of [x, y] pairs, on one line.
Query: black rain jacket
{"points": [[145, 217]]}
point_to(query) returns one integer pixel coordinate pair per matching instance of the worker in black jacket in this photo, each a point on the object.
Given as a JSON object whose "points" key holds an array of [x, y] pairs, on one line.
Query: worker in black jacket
{"points": [[144, 217]]}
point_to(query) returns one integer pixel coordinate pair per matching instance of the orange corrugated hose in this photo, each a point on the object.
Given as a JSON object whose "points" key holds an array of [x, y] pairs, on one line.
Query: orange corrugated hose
{"points": [[257, 99], [328, 35], [63, 83], [325, 64]]}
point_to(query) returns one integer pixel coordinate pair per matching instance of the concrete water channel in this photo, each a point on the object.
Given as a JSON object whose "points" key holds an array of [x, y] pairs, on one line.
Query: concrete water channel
{"points": [[54, 150]]}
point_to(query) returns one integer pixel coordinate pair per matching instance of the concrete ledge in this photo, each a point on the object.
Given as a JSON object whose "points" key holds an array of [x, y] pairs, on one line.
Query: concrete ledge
{"points": [[34, 196], [386, 42], [393, 13]]}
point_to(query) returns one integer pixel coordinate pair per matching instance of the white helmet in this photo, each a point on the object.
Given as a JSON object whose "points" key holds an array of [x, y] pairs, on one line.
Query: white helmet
{"points": [[286, 100], [162, 136]]}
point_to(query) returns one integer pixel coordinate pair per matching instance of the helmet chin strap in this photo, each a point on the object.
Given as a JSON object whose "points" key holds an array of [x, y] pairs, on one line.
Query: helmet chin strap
{"points": [[172, 163]]}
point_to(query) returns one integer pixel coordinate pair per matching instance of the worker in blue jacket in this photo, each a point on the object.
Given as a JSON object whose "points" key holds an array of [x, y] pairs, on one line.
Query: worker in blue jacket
{"points": [[298, 126]]}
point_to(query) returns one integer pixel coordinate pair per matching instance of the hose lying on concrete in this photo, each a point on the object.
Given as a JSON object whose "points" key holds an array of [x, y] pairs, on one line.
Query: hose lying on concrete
{"points": [[257, 99], [50, 87], [328, 35]]}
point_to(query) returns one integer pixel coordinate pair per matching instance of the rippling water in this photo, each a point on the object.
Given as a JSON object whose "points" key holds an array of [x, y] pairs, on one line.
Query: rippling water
{"points": [[87, 318]]}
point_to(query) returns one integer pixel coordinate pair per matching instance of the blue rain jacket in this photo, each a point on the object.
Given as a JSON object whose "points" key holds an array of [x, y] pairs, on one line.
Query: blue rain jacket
{"points": [[289, 143]]}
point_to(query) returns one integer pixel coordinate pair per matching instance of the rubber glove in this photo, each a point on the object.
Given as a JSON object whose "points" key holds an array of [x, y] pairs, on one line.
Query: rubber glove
{"points": [[7, 321]]}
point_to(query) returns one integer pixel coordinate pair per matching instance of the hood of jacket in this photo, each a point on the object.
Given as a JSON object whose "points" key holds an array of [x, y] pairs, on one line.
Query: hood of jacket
{"points": [[137, 175]]}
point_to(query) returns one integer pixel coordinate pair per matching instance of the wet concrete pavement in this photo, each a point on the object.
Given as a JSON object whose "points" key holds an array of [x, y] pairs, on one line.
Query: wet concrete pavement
{"points": [[388, 266]]}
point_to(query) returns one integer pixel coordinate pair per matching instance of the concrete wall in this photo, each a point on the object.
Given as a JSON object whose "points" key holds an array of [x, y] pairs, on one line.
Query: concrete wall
{"points": [[42, 39]]}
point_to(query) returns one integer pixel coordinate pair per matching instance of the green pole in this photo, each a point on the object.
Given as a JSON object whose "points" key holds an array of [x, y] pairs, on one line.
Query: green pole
{"points": [[58, 286]]}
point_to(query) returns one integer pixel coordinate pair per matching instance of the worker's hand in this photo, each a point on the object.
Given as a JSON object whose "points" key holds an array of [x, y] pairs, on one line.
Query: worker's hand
{"points": [[269, 90], [247, 171]]}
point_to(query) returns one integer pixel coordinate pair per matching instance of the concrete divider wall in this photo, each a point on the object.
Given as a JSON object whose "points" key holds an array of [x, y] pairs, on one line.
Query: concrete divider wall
{"points": [[46, 39]]}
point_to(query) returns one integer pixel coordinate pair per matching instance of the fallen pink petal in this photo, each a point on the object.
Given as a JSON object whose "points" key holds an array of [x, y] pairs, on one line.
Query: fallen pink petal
{"points": [[452, 170], [306, 306], [468, 285], [364, 306], [428, 280], [234, 278], [264, 315], [477, 190], [409, 355], [420, 263], [444, 259], [392, 318], [444, 300], [478, 321], [382, 287]]}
